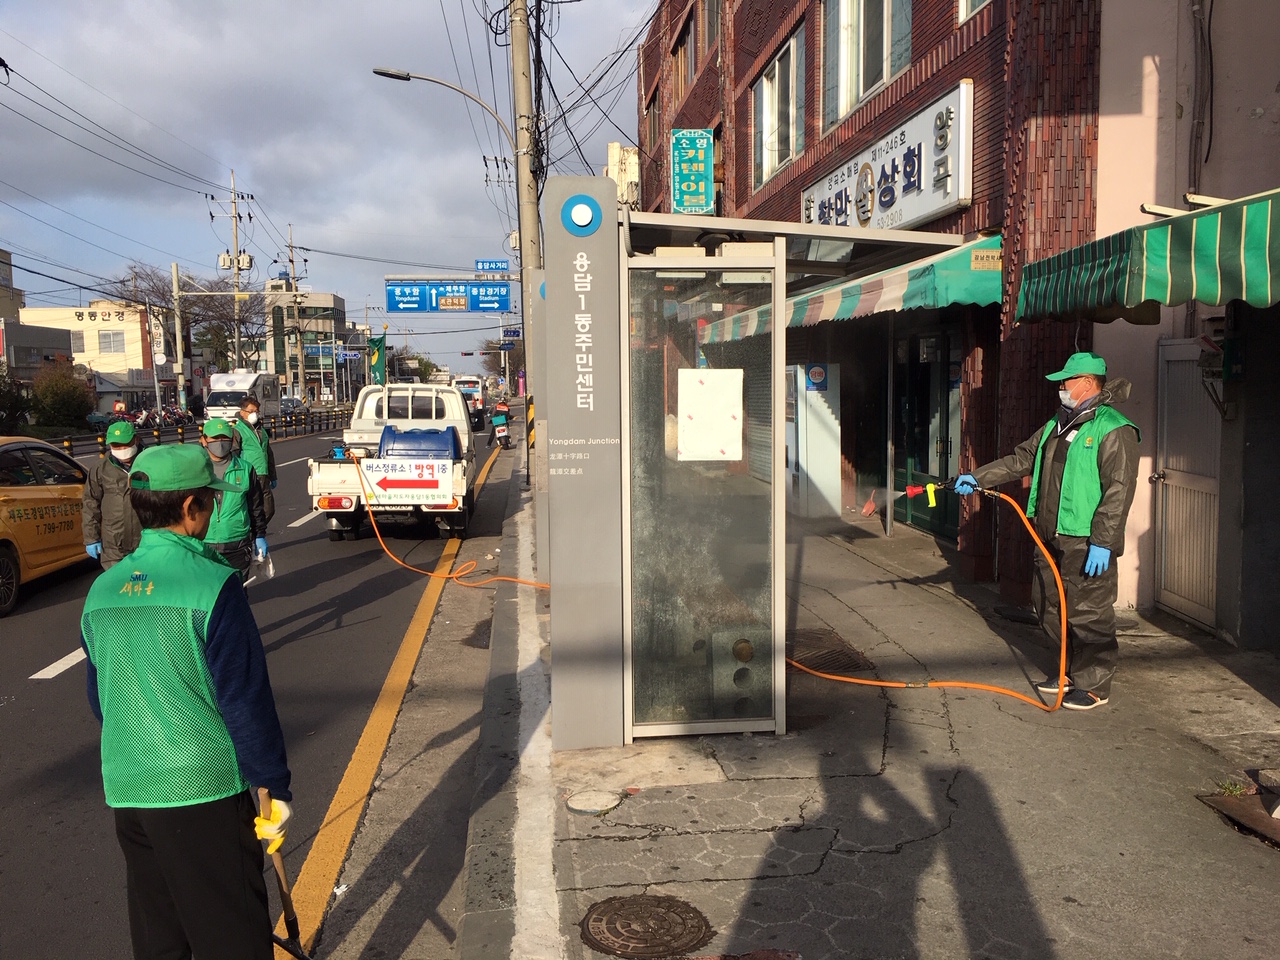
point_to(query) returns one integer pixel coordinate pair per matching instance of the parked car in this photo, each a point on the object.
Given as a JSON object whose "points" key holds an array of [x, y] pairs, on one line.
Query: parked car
{"points": [[41, 490], [292, 405]]}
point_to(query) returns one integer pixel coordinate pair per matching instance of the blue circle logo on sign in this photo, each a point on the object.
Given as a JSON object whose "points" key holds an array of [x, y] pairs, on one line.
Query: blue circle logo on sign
{"points": [[581, 215]]}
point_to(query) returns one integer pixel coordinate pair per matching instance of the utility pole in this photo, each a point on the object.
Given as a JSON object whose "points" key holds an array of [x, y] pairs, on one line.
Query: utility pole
{"points": [[526, 186], [235, 261], [297, 320], [177, 340]]}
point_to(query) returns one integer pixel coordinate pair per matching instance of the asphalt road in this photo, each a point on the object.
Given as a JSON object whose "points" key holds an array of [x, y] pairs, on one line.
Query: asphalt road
{"points": [[331, 621]]}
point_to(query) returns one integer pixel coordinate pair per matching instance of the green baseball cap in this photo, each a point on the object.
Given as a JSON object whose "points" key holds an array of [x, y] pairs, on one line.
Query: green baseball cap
{"points": [[121, 431], [1079, 364], [217, 427], [175, 467]]}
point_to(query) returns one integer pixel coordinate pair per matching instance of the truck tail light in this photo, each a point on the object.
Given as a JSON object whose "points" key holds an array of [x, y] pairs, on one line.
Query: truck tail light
{"points": [[333, 503]]}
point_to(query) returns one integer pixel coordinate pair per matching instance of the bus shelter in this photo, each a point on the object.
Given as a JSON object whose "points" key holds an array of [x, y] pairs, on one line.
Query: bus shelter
{"points": [[659, 456]]}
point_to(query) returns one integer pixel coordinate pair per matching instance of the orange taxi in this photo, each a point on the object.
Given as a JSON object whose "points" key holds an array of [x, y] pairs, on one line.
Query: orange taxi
{"points": [[41, 489]]}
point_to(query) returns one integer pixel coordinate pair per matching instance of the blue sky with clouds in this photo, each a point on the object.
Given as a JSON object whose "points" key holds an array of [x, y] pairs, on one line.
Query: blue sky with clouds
{"points": [[282, 91]]}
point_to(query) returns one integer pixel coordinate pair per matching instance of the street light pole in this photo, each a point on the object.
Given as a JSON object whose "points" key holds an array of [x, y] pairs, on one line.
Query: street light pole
{"points": [[391, 74], [522, 146]]}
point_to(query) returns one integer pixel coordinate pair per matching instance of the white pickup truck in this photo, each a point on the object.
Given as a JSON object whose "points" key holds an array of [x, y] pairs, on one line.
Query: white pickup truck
{"points": [[408, 454]]}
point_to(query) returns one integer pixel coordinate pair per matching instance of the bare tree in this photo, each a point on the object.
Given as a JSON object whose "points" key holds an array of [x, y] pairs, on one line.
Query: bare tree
{"points": [[208, 322], [492, 359]]}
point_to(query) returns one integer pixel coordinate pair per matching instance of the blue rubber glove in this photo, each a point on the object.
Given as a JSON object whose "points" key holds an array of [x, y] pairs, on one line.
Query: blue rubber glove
{"points": [[1099, 559], [966, 483], [273, 484], [94, 549], [260, 547]]}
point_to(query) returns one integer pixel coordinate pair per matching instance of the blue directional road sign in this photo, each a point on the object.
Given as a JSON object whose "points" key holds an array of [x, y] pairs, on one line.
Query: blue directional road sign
{"points": [[506, 346], [452, 296], [493, 266], [403, 297], [511, 333], [489, 297]]}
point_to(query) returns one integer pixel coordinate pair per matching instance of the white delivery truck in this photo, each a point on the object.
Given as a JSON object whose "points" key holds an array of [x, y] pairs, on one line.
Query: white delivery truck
{"points": [[408, 454], [226, 390], [475, 391]]}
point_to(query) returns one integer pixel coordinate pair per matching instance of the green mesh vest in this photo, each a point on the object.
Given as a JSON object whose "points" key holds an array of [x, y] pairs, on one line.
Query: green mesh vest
{"points": [[252, 448], [230, 521], [164, 743], [1081, 485]]}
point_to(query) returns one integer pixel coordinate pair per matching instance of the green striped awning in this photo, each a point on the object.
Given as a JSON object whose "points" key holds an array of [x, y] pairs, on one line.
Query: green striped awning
{"points": [[968, 273], [1227, 252]]}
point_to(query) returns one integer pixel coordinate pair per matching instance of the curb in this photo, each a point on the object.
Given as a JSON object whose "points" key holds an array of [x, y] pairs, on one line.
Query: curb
{"points": [[487, 928]]}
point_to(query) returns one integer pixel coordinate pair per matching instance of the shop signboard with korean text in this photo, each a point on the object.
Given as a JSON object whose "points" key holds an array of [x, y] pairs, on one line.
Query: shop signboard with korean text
{"points": [[693, 188], [918, 172]]}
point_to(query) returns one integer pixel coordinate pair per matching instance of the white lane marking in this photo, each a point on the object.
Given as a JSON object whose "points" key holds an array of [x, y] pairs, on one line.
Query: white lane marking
{"points": [[288, 463], [301, 520], [66, 663]]}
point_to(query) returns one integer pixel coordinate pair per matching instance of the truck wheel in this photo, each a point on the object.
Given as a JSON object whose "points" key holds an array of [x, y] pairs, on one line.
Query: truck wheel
{"points": [[335, 536], [353, 532], [460, 527], [10, 579]]}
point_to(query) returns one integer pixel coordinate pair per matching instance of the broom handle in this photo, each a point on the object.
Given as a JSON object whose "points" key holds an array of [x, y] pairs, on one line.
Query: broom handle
{"points": [[282, 878]]}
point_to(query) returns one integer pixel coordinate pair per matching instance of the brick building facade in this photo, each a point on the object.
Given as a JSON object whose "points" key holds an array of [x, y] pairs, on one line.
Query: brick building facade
{"points": [[1034, 73]]}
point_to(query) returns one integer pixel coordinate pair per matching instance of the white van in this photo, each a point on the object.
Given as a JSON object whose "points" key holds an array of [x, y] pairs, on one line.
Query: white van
{"points": [[227, 390]]}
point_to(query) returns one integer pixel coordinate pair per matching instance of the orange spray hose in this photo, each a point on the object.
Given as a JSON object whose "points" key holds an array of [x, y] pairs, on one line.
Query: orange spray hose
{"points": [[463, 568], [965, 685], [470, 565]]}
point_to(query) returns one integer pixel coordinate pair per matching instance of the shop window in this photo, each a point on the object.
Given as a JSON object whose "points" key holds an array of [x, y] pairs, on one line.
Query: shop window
{"points": [[653, 125], [778, 110], [864, 43], [111, 341], [685, 56], [711, 23], [969, 7]]}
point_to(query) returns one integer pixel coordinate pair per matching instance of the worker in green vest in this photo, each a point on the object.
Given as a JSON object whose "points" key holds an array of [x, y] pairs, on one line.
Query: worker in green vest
{"points": [[177, 677], [254, 444], [111, 528], [238, 529], [1083, 466]]}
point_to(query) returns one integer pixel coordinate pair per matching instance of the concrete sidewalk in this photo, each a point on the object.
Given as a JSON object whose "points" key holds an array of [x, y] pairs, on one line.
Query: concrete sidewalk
{"points": [[887, 823]]}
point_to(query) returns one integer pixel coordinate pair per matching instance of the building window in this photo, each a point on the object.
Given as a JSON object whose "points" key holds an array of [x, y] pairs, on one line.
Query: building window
{"points": [[711, 21], [864, 43], [653, 125], [969, 7], [111, 341], [685, 56], [77, 341], [778, 100]]}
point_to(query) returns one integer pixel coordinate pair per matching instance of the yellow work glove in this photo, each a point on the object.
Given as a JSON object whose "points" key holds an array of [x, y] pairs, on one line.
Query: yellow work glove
{"points": [[272, 827]]}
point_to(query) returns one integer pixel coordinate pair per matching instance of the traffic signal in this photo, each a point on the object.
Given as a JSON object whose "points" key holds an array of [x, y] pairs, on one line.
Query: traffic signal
{"points": [[467, 353]]}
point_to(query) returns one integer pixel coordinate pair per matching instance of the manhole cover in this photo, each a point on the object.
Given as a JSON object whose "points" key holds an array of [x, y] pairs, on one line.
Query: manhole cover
{"points": [[645, 926], [825, 650]]}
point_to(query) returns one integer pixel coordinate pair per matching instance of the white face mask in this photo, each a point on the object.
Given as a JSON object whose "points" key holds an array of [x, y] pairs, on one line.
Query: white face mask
{"points": [[1064, 395], [125, 454], [251, 418]]}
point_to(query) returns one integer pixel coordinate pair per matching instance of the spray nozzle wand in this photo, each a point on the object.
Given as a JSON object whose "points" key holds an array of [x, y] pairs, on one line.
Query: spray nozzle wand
{"points": [[931, 490]]}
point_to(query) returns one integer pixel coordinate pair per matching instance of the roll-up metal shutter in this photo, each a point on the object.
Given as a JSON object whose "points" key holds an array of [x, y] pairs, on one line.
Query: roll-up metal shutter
{"points": [[759, 395]]}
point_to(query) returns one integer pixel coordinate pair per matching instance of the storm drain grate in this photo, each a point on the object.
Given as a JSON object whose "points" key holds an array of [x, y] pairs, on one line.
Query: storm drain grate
{"points": [[821, 648], [645, 926]]}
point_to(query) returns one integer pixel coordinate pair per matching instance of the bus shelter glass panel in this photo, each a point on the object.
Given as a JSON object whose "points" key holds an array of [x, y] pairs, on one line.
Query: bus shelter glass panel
{"points": [[701, 493]]}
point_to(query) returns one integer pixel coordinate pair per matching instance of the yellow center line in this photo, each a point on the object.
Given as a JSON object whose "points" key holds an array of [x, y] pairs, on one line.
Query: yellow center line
{"points": [[320, 871]]}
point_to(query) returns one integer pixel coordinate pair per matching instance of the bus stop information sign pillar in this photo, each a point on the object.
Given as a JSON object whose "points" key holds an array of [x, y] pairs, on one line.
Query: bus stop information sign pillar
{"points": [[583, 390]]}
